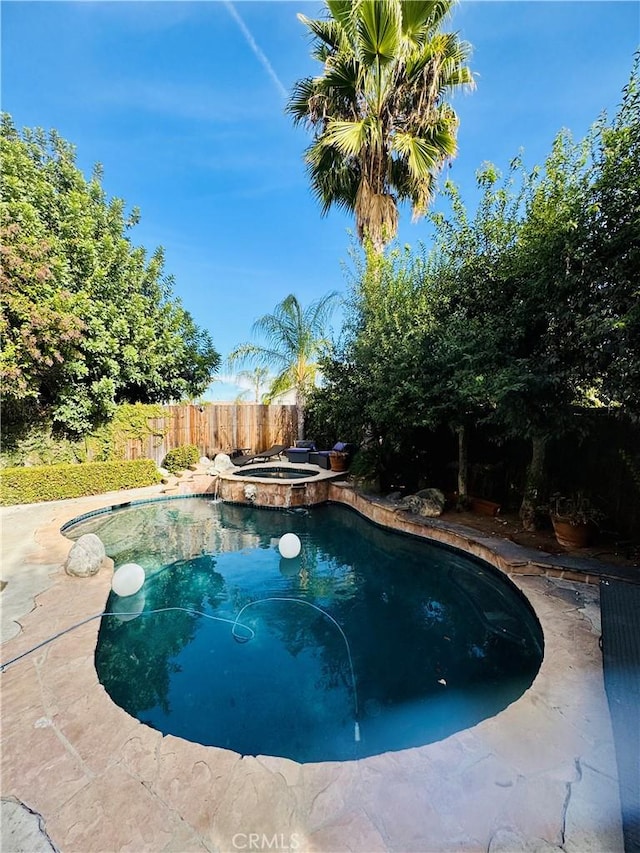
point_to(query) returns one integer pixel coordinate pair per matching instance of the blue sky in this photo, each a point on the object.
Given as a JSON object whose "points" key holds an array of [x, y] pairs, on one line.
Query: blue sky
{"points": [[183, 104]]}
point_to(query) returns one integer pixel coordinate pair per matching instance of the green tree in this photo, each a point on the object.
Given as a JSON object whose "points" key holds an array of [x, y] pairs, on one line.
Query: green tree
{"points": [[295, 337], [88, 321], [382, 127], [514, 300], [546, 286], [391, 384], [611, 251], [522, 314], [483, 328]]}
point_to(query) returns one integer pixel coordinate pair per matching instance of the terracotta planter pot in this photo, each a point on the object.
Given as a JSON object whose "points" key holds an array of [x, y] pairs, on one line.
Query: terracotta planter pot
{"points": [[571, 535], [484, 507], [338, 461]]}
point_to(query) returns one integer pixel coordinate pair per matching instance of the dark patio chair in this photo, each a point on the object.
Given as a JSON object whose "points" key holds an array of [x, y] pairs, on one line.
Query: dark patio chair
{"points": [[274, 450], [300, 452]]}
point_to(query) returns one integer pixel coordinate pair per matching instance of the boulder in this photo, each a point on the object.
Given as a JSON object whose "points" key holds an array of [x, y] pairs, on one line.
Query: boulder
{"points": [[85, 557], [23, 829], [427, 502], [222, 462]]}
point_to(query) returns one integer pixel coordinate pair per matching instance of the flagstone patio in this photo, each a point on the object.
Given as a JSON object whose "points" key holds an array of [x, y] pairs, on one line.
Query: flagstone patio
{"points": [[539, 776]]}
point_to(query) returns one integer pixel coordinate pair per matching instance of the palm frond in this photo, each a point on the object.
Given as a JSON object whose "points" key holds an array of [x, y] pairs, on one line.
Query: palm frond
{"points": [[282, 383], [342, 76], [422, 155], [242, 353], [327, 30], [249, 353], [421, 195], [298, 103], [421, 17], [376, 215], [379, 30], [334, 178], [457, 76], [279, 332], [443, 137], [344, 12], [419, 192], [349, 137], [317, 315]]}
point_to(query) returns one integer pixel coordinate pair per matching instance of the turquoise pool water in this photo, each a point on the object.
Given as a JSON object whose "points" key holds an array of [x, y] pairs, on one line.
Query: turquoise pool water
{"points": [[438, 640]]}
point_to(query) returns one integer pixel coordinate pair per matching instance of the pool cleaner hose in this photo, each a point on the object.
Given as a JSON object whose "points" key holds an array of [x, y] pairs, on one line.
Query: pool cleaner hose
{"points": [[235, 625]]}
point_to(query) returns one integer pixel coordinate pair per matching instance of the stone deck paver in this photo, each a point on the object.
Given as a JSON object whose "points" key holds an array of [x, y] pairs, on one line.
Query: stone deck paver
{"points": [[539, 776]]}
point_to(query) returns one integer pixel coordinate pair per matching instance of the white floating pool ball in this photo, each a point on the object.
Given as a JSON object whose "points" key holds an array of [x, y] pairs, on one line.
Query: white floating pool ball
{"points": [[128, 579], [289, 545]]}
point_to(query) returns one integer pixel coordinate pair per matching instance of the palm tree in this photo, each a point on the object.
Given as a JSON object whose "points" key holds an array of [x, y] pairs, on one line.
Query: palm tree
{"points": [[294, 340], [257, 379], [382, 129]]}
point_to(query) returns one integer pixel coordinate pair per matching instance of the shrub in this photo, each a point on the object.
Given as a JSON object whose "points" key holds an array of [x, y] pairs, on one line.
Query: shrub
{"points": [[180, 458], [37, 446], [130, 422], [56, 482], [135, 422]]}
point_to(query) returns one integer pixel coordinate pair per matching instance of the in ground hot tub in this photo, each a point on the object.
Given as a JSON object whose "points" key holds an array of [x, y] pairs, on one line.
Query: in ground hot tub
{"points": [[276, 484], [278, 473]]}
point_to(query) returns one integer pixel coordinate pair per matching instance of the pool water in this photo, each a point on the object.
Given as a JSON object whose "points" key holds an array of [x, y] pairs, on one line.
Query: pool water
{"points": [[438, 640]]}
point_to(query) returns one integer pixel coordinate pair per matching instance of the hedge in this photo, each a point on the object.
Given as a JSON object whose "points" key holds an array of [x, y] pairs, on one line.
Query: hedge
{"points": [[180, 458], [28, 485]]}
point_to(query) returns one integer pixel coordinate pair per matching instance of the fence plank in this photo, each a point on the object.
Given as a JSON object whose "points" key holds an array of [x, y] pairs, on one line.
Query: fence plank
{"points": [[215, 428]]}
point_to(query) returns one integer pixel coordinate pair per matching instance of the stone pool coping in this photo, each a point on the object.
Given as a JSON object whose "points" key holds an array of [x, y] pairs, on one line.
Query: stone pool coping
{"points": [[541, 775], [509, 557]]}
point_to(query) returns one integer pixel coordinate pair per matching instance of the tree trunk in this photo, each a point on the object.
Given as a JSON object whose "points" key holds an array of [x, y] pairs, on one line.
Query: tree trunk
{"points": [[463, 463], [534, 483], [300, 405]]}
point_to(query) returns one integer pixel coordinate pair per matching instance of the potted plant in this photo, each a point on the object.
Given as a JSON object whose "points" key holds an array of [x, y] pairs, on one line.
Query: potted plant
{"points": [[339, 460], [339, 456], [482, 506], [573, 519]]}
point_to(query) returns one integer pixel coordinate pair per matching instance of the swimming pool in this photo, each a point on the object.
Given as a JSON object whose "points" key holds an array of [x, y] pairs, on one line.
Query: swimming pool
{"points": [[410, 640]]}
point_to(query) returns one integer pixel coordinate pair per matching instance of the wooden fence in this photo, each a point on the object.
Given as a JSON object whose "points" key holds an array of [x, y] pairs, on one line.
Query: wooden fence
{"points": [[215, 428]]}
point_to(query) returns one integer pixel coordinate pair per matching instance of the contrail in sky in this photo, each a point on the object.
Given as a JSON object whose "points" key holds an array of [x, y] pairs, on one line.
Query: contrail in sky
{"points": [[256, 50]]}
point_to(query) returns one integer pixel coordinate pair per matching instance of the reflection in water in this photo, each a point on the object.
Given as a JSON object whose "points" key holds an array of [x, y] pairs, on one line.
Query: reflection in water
{"points": [[130, 607], [439, 641]]}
